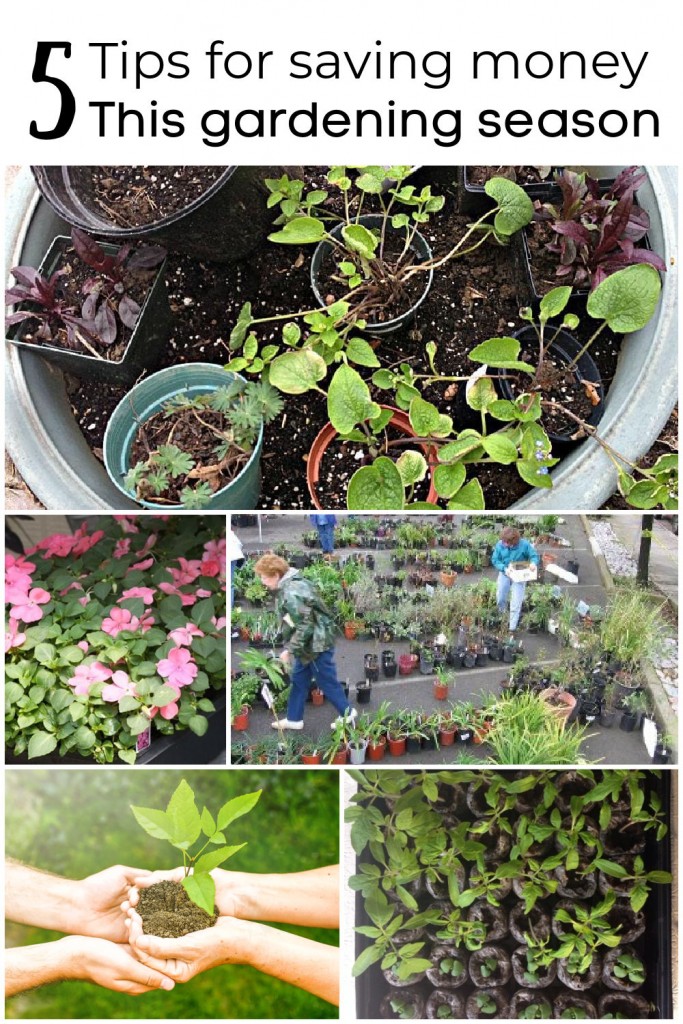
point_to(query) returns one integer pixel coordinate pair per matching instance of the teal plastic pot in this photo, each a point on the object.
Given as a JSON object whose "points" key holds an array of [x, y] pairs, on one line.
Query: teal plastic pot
{"points": [[146, 399]]}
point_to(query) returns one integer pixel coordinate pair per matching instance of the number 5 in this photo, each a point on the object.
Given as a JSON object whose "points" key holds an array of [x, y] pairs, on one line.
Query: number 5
{"points": [[68, 109]]}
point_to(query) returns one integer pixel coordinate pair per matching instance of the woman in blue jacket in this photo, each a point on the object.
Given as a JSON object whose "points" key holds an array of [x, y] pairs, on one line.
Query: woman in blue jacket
{"points": [[511, 548]]}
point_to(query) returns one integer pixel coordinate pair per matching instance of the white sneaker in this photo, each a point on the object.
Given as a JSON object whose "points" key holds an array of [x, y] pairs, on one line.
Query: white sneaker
{"points": [[349, 716], [284, 723]]}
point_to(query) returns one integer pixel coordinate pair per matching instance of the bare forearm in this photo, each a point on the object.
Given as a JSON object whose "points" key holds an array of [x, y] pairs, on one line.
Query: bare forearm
{"points": [[307, 898], [312, 966], [37, 898], [30, 966]]}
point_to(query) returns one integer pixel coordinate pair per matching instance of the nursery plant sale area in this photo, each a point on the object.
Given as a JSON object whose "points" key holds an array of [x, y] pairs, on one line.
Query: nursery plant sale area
{"points": [[115, 646], [477, 337], [431, 667], [512, 895]]}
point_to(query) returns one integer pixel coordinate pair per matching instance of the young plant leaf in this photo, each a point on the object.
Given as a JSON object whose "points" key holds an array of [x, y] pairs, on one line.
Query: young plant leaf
{"points": [[201, 889]]}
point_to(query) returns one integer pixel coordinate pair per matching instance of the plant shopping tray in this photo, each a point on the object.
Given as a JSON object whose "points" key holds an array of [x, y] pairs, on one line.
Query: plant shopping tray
{"points": [[654, 946]]}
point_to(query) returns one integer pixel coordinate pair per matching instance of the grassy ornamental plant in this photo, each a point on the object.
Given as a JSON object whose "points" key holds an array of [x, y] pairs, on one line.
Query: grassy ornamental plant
{"points": [[111, 631]]}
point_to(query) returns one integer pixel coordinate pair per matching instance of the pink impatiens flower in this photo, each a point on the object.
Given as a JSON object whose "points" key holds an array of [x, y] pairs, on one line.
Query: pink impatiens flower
{"points": [[168, 711], [127, 522], [146, 563], [27, 608], [187, 573], [18, 563], [86, 676], [182, 636], [13, 638], [171, 589], [146, 594], [120, 686], [85, 542], [122, 547], [219, 623], [178, 669], [84, 645], [120, 620], [57, 545]]}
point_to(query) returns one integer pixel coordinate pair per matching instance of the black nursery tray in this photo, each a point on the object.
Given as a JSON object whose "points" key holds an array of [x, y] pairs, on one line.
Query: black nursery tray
{"points": [[654, 946]]}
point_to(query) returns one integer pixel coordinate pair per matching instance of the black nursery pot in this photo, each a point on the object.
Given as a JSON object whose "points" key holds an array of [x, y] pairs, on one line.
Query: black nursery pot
{"points": [[413, 745], [145, 346], [421, 252], [227, 222], [564, 348], [474, 200], [628, 721], [363, 692]]}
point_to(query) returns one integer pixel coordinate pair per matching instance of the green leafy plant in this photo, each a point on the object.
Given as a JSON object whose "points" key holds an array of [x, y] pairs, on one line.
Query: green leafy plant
{"points": [[639, 880], [182, 824], [541, 1010], [485, 1003], [452, 967], [629, 968]]}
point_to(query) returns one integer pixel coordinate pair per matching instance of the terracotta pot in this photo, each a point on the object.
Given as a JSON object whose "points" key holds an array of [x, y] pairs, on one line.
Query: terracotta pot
{"points": [[568, 702], [397, 747], [240, 722], [350, 630], [448, 578], [326, 436], [244, 633], [340, 757], [311, 758], [447, 736], [440, 691], [548, 558], [376, 751], [318, 697]]}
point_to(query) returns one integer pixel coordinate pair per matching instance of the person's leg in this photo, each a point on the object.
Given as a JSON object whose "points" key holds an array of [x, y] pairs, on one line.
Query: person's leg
{"points": [[326, 532], [502, 591], [301, 682], [327, 680], [516, 601]]}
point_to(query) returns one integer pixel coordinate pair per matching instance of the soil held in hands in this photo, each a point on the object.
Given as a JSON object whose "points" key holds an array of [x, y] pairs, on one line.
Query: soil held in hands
{"points": [[168, 912]]}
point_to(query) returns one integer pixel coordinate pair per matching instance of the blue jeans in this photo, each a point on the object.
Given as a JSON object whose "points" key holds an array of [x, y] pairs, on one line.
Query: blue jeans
{"points": [[323, 669], [326, 535], [516, 593]]}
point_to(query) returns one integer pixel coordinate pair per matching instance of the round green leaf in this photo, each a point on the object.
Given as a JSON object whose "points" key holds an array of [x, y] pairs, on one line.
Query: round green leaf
{"points": [[515, 207], [378, 486], [297, 372], [449, 479], [358, 239], [300, 231], [40, 744], [349, 401], [500, 448], [412, 466], [626, 300]]}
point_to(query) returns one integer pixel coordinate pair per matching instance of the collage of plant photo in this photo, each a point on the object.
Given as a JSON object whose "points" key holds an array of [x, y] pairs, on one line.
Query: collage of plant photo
{"points": [[341, 592]]}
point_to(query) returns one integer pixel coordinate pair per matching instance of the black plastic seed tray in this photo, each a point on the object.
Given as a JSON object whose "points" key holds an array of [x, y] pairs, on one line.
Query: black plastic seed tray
{"points": [[654, 946]]}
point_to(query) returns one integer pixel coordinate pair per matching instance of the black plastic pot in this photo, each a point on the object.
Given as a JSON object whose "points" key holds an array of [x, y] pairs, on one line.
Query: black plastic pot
{"points": [[661, 755], [496, 651], [421, 251], [474, 201], [363, 692], [413, 744], [145, 346], [389, 666], [565, 348], [426, 663], [628, 721], [227, 222], [589, 710], [371, 668], [469, 659]]}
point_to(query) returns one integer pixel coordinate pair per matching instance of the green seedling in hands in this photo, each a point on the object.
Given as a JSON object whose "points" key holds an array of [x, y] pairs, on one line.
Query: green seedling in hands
{"points": [[181, 824]]}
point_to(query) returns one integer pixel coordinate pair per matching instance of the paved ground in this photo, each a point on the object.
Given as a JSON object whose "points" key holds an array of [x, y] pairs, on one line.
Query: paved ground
{"points": [[663, 551], [610, 746]]}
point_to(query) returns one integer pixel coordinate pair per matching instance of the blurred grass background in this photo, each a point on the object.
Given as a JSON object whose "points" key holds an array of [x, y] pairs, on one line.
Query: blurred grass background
{"points": [[76, 822]]}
